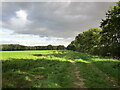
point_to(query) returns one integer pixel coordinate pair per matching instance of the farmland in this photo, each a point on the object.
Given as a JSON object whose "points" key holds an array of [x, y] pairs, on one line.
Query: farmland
{"points": [[58, 69]]}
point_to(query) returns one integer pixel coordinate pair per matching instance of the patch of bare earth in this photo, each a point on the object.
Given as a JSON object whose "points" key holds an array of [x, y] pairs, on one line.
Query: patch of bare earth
{"points": [[79, 81]]}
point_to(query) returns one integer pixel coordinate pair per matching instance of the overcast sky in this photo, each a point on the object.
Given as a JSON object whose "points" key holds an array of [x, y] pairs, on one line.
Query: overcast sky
{"points": [[43, 23]]}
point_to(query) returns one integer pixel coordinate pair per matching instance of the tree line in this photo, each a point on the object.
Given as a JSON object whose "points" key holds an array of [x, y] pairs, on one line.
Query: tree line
{"points": [[103, 41], [15, 47]]}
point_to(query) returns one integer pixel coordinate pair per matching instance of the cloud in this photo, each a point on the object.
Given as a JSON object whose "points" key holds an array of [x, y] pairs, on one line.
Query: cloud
{"points": [[1, 24], [8, 37], [21, 14], [53, 19], [31, 41], [20, 21]]}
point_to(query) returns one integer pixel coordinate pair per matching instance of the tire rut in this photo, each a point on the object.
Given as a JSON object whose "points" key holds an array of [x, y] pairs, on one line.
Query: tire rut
{"points": [[111, 80], [79, 81]]}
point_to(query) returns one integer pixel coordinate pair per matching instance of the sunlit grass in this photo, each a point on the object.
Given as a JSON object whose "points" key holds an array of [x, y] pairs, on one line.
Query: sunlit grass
{"points": [[53, 69], [68, 56], [23, 54], [80, 60]]}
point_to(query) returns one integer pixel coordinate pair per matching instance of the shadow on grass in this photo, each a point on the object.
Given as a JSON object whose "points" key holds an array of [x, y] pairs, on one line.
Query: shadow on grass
{"points": [[37, 54], [84, 57], [40, 73], [50, 73], [45, 55], [21, 72], [109, 66]]}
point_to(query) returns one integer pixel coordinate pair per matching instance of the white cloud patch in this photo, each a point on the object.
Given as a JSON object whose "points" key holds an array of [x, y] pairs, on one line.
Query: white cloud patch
{"points": [[5, 32], [9, 37], [1, 24], [21, 14], [20, 21]]}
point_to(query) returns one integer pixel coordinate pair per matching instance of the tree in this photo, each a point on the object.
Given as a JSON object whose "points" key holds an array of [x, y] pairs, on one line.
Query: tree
{"points": [[60, 47], [71, 46], [86, 42], [110, 40], [50, 47], [13, 47]]}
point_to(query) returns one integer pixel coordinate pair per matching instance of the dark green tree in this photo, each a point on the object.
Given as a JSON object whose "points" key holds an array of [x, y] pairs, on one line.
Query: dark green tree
{"points": [[87, 42], [110, 40], [71, 46], [60, 47], [49, 47]]}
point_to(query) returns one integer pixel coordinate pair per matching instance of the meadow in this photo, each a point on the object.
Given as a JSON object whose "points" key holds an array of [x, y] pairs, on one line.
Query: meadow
{"points": [[58, 69]]}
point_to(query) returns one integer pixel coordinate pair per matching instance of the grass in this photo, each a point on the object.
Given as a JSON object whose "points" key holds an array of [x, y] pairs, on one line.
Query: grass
{"points": [[23, 54], [110, 68], [94, 78], [95, 69], [36, 73], [53, 69]]}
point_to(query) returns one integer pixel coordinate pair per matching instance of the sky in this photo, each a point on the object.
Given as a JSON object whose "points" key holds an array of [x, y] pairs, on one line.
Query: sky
{"points": [[44, 23]]}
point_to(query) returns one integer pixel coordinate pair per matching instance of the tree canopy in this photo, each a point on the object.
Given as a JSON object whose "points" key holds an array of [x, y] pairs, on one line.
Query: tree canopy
{"points": [[87, 41], [104, 41], [14, 47], [110, 35]]}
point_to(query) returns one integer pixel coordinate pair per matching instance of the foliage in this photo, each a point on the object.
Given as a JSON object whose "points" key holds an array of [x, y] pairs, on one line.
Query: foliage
{"points": [[110, 41], [71, 46], [87, 41], [104, 41], [16, 47]]}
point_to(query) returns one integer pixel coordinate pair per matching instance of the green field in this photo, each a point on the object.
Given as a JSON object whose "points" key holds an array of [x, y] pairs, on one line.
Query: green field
{"points": [[58, 69]]}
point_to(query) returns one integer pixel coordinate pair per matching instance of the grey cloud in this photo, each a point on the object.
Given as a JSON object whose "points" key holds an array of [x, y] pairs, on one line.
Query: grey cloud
{"points": [[57, 19]]}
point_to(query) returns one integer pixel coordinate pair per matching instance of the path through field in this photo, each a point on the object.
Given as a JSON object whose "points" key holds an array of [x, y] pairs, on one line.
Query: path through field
{"points": [[58, 69], [79, 81]]}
